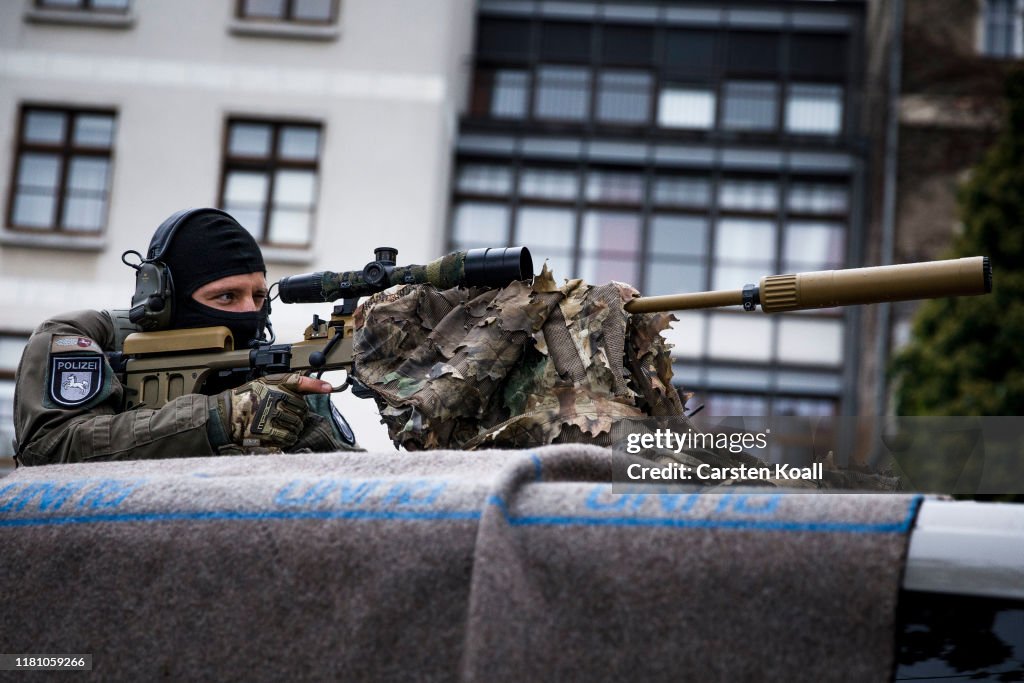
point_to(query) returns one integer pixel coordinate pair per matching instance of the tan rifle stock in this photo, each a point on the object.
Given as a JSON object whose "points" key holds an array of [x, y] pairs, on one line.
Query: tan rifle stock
{"points": [[161, 366]]}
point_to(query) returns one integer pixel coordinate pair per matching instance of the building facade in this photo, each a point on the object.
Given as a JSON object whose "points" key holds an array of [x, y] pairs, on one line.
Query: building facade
{"points": [[681, 147]]}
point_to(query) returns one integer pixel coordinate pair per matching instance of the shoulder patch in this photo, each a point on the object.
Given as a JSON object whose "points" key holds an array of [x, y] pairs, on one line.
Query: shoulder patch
{"points": [[65, 343], [75, 378]]}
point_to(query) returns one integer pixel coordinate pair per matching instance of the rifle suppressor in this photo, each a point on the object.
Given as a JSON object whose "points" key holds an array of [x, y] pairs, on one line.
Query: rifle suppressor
{"points": [[828, 288]]}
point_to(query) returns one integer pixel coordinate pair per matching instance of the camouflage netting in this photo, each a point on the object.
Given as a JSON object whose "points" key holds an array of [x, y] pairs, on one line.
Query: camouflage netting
{"points": [[516, 367]]}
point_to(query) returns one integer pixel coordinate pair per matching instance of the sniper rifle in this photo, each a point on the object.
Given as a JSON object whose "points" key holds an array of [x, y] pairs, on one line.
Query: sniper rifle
{"points": [[157, 367]]}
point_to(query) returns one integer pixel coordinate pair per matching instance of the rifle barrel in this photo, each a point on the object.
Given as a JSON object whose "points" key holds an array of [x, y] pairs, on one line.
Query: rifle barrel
{"points": [[686, 302]]}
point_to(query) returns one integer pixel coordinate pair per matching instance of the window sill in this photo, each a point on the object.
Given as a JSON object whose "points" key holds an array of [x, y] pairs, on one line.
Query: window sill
{"points": [[254, 29], [51, 240], [290, 257], [94, 19]]}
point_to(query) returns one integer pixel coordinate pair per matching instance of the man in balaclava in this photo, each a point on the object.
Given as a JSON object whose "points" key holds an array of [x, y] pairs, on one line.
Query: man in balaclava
{"points": [[69, 405], [218, 271]]}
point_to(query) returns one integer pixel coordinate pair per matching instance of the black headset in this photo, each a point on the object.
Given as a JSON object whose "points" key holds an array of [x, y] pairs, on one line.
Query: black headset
{"points": [[153, 302]]}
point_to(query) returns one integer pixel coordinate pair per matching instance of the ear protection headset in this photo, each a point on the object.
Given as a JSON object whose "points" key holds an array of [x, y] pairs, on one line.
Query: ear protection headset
{"points": [[153, 302]]}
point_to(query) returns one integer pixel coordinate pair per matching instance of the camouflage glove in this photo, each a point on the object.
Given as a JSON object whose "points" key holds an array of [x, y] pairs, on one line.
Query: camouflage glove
{"points": [[265, 413]]}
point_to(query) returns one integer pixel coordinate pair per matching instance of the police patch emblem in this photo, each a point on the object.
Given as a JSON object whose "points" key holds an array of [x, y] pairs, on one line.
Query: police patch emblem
{"points": [[75, 379]]}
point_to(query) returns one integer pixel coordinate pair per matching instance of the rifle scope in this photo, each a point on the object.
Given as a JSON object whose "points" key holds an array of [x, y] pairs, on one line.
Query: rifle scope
{"points": [[490, 267], [828, 288]]}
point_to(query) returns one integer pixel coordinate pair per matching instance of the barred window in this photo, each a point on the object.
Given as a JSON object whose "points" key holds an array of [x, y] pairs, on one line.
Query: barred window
{"points": [[61, 179], [270, 179]]}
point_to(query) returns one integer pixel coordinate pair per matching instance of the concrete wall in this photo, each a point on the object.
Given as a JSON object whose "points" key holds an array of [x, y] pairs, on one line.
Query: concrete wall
{"points": [[387, 91]]}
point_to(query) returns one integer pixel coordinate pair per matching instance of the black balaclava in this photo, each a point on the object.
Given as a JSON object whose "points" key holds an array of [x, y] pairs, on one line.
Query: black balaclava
{"points": [[209, 245]]}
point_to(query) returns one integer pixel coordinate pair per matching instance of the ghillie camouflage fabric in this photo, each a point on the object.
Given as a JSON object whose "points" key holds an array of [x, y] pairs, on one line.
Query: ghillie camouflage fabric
{"points": [[530, 365], [516, 367]]}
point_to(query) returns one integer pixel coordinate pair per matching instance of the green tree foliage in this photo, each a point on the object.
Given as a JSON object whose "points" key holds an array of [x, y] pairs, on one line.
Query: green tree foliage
{"points": [[966, 356]]}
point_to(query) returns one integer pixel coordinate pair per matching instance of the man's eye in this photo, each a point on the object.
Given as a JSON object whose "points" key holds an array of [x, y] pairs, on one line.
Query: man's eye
{"points": [[226, 297]]}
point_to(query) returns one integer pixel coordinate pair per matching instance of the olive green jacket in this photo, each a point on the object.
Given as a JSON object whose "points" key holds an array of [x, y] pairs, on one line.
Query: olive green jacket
{"points": [[99, 429]]}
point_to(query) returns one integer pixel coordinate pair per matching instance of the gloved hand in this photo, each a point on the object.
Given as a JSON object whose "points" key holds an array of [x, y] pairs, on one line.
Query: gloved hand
{"points": [[266, 413]]}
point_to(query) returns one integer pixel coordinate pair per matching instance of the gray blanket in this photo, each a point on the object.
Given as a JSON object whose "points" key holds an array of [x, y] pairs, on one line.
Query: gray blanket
{"points": [[511, 565]]}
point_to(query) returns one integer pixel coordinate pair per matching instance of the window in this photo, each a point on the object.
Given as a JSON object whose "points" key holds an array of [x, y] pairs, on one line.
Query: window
{"points": [[624, 97], [748, 195], [562, 93], [750, 105], [810, 342], [748, 405], [502, 39], [817, 198], [565, 42], [686, 107], [484, 179], [550, 233], [502, 94], [681, 191], [690, 53], [62, 170], [270, 179], [1003, 29], [610, 247], [615, 188], [296, 11], [813, 246], [627, 45], [676, 254], [546, 183], [808, 407], [753, 54], [821, 56], [478, 224], [744, 251], [723, 404], [814, 109], [85, 5], [740, 336]]}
